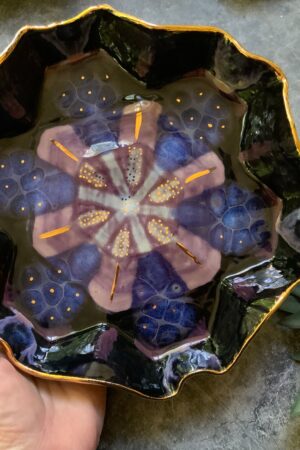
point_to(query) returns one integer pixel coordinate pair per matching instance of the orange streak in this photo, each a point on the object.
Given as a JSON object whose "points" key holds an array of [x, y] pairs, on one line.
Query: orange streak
{"points": [[138, 124], [199, 174], [188, 252], [64, 150], [54, 232], [114, 284]]}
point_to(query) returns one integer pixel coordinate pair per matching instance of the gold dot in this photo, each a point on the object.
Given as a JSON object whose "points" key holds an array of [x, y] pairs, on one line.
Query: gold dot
{"points": [[77, 294], [6, 186], [154, 306], [114, 111], [81, 109], [69, 308], [144, 326], [51, 317], [104, 98], [106, 76], [201, 137], [82, 77], [223, 126], [221, 236], [63, 94], [2, 166], [40, 204], [178, 100], [59, 271], [51, 290], [89, 92], [31, 278], [240, 242], [218, 106], [22, 209], [22, 161], [33, 302], [210, 125], [34, 177], [192, 118], [200, 94]]}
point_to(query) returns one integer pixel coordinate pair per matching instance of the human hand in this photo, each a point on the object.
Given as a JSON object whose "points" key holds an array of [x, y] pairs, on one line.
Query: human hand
{"points": [[47, 415]]}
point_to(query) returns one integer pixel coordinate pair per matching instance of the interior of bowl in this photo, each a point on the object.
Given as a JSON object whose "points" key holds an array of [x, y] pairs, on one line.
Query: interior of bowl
{"points": [[148, 201]]}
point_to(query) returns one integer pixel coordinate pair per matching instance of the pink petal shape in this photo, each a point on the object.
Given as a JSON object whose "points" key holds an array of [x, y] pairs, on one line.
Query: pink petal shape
{"points": [[62, 242], [67, 137], [150, 112], [101, 285], [207, 161], [193, 274]]}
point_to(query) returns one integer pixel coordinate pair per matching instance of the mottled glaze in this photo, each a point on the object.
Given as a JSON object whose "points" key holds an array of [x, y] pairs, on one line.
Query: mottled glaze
{"points": [[140, 212]]}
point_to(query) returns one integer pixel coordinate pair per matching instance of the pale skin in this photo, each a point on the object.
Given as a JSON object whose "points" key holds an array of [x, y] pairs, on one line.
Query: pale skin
{"points": [[37, 414]]}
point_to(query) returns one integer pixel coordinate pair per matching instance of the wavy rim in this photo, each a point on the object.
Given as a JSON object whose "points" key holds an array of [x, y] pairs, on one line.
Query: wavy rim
{"points": [[280, 75]]}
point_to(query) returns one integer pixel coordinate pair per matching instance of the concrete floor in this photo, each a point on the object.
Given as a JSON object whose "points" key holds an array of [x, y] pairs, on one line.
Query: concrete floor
{"points": [[248, 408]]}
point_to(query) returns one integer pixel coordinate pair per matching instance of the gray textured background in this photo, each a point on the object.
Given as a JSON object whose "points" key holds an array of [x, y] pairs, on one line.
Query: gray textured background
{"points": [[247, 408]]}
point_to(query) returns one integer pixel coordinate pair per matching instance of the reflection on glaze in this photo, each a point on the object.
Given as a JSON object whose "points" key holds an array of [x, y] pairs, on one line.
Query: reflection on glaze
{"points": [[127, 200], [289, 229]]}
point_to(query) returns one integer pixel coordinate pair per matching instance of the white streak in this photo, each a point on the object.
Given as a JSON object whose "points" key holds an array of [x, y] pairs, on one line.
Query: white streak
{"points": [[164, 212], [139, 235], [105, 232], [148, 184], [115, 172], [100, 197]]}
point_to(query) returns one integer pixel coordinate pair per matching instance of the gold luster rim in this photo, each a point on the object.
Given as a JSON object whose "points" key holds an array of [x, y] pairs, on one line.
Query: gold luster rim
{"points": [[280, 75]]}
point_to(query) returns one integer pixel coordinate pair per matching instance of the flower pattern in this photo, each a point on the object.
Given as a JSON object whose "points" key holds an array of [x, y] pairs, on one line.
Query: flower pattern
{"points": [[128, 201]]}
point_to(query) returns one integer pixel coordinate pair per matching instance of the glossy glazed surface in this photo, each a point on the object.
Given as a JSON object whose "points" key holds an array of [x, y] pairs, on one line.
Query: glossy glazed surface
{"points": [[145, 248]]}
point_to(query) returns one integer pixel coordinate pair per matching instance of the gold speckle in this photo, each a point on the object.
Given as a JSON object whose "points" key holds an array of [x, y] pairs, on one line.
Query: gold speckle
{"points": [[31, 278], [166, 191], [77, 294], [221, 236], [192, 118], [145, 326], [223, 126], [106, 76], [210, 125], [240, 242], [81, 109], [103, 99], [22, 161], [200, 93], [40, 204], [134, 167], [2, 166], [63, 94], [34, 177], [51, 290], [89, 92], [6, 186], [82, 77], [22, 209], [93, 218], [68, 308], [159, 231], [154, 306], [51, 317], [89, 175], [178, 99], [121, 243], [218, 106], [59, 271], [33, 301]]}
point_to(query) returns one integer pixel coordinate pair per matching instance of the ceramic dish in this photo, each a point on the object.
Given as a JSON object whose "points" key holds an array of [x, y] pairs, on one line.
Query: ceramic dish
{"points": [[149, 200]]}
